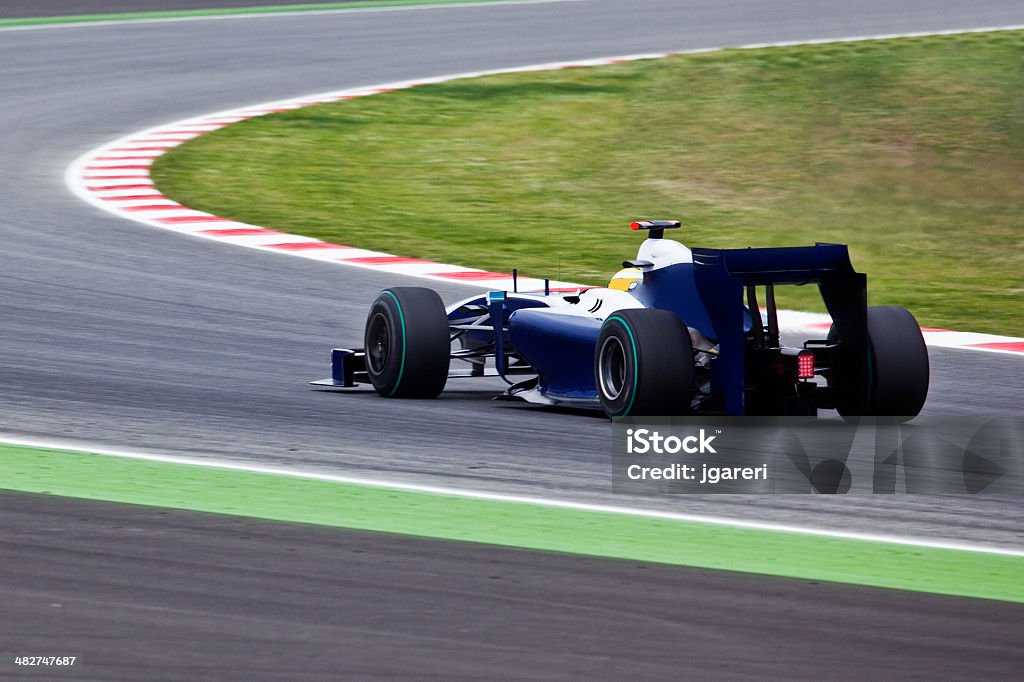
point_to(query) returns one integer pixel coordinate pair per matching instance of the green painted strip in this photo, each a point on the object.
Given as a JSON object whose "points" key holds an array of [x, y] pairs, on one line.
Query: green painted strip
{"points": [[284, 498], [231, 11]]}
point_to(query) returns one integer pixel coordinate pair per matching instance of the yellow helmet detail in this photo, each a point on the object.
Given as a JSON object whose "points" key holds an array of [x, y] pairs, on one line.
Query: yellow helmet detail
{"points": [[626, 279]]}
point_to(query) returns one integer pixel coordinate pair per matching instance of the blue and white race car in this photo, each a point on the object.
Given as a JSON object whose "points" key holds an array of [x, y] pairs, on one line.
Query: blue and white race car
{"points": [[677, 331]]}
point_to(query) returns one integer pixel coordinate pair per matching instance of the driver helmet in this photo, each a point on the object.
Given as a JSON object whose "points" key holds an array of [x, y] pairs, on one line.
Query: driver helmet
{"points": [[626, 279]]}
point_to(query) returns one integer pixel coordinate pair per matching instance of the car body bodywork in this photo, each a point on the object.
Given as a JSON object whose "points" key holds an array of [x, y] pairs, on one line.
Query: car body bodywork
{"points": [[544, 344]]}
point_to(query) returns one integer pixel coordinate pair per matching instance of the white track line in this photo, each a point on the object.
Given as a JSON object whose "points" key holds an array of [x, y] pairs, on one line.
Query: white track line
{"points": [[502, 497], [282, 13], [123, 165]]}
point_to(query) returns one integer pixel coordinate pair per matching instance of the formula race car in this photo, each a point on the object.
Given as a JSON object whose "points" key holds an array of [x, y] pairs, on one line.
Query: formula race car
{"points": [[677, 331]]}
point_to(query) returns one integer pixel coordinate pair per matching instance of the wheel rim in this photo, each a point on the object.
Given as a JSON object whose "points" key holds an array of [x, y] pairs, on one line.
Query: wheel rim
{"points": [[611, 368], [378, 346]]}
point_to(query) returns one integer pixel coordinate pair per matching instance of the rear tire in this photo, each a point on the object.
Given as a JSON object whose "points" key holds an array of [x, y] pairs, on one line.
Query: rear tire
{"points": [[643, 364], [898, 372], [407, 343]]}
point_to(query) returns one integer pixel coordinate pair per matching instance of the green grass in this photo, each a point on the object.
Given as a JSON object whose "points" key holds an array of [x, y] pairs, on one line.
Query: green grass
{"points": [[512, 524], [911, 151]]}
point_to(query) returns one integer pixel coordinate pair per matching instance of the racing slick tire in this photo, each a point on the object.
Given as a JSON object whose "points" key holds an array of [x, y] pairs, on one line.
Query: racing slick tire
{"points": [[898, 372], [643, 364], [407, 343]]}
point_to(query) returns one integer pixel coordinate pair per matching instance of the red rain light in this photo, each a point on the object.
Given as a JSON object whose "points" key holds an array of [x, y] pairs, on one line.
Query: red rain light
{"points": [[805, 366]]}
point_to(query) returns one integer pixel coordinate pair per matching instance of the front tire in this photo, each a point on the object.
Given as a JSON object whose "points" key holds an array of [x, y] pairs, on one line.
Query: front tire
{"points": [[643, 364], [407, 343]]}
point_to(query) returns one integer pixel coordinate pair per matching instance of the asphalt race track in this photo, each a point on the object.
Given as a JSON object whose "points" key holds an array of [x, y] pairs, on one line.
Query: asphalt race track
{"points": [[128, 336], [204, 597], [32, 8], [118, 334]]}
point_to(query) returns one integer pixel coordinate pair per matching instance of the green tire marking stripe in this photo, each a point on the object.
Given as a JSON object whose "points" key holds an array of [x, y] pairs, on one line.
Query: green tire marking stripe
{"points": [[401, 319], [512, 524], [233, 11], [636, 363]]}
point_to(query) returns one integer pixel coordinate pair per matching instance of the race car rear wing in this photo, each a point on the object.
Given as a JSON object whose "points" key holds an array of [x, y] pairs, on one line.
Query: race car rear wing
{"points": [[722, 276]]}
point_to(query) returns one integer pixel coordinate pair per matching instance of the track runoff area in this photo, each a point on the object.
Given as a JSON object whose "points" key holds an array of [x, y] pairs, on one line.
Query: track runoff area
{"points": [[115, 177], [286, 494]]}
